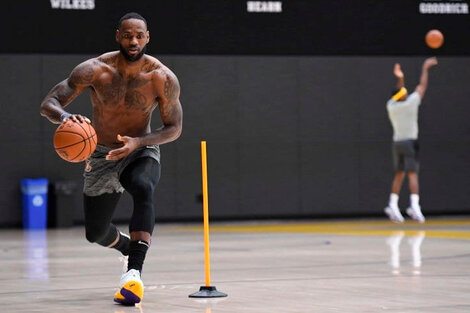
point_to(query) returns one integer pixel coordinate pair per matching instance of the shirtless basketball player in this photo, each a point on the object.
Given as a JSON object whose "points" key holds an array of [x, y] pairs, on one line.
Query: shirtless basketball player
{"points": [[125, 88]]}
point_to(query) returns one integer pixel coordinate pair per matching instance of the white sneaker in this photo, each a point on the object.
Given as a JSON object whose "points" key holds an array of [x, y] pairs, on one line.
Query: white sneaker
{"points": [[415, 214], [131, 290], [394, 214]]}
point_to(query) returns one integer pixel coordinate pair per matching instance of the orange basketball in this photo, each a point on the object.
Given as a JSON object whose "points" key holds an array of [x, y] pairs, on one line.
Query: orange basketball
{"points": [[75, 142], [434, 39]]}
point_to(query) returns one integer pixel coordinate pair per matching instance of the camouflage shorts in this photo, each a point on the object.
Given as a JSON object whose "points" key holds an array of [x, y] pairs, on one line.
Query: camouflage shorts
{"points": [[102, 176]]}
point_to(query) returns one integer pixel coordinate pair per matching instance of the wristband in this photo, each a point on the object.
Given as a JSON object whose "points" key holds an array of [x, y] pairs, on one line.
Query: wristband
{"points": [[64, 116]]}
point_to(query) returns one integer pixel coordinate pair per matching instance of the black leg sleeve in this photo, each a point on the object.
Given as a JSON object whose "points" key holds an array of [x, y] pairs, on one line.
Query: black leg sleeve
{"points": [[140, 179], [99, 211]]}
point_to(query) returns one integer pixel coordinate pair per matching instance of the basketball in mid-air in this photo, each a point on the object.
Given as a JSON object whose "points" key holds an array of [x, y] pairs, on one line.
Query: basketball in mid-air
{"points": [[434, 39], [75, 141]]}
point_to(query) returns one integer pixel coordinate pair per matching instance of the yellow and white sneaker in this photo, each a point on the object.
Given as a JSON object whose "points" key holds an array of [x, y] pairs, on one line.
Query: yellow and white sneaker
{"points": [[131, 290]]}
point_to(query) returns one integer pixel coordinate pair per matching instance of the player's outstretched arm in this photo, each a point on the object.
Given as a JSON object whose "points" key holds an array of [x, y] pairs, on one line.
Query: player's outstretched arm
{"points": [[399, 75], [52, 107], [423, 82]]}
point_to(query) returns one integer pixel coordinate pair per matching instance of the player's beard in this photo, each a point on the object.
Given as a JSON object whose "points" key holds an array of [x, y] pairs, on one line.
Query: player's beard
{"points": [[132, 58]]}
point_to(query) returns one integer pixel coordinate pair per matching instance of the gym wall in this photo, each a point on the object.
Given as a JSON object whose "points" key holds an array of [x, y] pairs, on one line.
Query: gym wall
{"points": [[295, 128]]}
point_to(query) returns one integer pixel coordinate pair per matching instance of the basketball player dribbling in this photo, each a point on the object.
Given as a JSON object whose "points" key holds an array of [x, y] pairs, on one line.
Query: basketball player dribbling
{"points": [[125, 88]]}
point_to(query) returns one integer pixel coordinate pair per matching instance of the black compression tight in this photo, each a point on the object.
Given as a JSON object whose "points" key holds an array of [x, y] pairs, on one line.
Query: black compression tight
{"points": [[99, 211], [140, 179]]}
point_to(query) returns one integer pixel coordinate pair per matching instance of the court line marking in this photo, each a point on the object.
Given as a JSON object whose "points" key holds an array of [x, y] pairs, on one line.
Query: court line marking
{"points": [[355, 228]]}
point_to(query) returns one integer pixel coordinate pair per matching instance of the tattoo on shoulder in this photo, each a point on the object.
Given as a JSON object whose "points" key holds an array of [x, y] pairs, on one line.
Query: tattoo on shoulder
{"points": [[160, 70], [171, 87], [149, 66], [82, 75], [108, 60]]}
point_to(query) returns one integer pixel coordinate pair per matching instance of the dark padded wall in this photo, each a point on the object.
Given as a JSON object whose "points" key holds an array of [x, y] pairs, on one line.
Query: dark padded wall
{"points": [[305, 27], [287, 136]]}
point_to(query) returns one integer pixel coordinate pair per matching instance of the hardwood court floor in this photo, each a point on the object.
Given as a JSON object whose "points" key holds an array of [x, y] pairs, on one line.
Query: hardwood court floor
{"points": [[319, 266]]}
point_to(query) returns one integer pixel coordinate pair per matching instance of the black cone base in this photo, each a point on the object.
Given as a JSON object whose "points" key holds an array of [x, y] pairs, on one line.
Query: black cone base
{"points": [[207, 292]]}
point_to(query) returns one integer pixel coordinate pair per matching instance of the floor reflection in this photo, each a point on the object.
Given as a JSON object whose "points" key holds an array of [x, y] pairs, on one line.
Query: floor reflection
{"points": [[37, 261], [207, 304], [139, 306], [131, 309], [414, 242]]}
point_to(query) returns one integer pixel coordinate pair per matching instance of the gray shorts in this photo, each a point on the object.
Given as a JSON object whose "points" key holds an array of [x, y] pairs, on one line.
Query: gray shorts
{"points": [[102, 176], [405, 155]]}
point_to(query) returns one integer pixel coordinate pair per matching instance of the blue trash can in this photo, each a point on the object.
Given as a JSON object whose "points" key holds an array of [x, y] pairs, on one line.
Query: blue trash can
{"points": [[34, 193]]}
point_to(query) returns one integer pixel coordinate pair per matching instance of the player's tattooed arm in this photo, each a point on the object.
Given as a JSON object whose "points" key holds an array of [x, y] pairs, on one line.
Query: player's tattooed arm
{"points": [[81, 77], [169, 104], [170, 107]]}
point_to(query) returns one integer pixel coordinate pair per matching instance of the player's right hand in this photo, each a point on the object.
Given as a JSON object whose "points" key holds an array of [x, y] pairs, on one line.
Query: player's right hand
{"points": [[76, 118], [397, 71], [430, 62]]}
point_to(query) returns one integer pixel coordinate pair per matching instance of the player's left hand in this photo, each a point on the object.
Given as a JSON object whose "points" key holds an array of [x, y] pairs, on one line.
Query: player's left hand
{"points": [[130, 144]]}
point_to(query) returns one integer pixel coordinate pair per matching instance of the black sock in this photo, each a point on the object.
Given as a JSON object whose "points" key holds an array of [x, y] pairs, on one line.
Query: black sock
{"points": [[137, 251], [123, 244]]}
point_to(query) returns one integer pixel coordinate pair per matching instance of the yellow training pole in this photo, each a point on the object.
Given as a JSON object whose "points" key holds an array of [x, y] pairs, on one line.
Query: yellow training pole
{"points": [[206, 291], [205, 204]]}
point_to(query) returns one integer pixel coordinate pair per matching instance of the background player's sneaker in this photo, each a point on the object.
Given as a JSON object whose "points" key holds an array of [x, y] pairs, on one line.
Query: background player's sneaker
{"points": [[394, 214], [415, 214], [131, 288]]}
